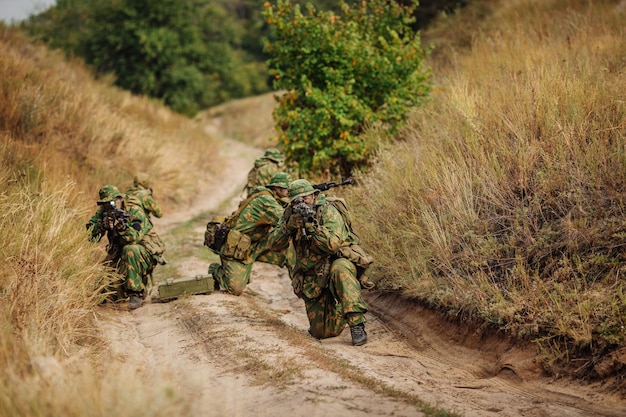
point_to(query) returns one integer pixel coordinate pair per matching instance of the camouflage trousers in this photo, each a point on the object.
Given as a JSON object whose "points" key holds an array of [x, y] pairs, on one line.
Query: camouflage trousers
{"points": [[135, 264], [339, 303], [233, 275]]}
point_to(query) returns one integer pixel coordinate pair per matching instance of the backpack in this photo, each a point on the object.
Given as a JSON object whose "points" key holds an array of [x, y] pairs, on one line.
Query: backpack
{"points": [[342, 207], [218, 229], [354, 253]]}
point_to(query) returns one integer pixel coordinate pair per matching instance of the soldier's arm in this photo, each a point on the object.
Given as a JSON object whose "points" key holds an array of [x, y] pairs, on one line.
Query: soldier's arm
{"points": [[278, 238], [94, 225], [152, 206], [138, 226]]}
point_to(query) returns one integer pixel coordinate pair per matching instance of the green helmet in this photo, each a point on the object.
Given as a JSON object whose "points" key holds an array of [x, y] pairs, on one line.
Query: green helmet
{"points": [[108, 193], [280, 180], [300, 188], [274, 154], [142, 179]]}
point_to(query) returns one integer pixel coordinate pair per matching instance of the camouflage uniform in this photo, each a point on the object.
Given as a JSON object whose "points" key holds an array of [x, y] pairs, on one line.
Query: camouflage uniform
{"points": [[124, 251], [327, 283], [262, 211], [140, 193], [264, 169]]}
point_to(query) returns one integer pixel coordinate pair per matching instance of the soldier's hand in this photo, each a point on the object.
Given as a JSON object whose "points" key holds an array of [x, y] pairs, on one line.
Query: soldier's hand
{"points": [[294, 222], [109, 223]]}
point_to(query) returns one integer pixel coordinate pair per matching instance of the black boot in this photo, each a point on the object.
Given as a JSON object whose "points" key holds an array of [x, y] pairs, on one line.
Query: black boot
{"points": [[359, 336], [136, 301], [212, 270]]}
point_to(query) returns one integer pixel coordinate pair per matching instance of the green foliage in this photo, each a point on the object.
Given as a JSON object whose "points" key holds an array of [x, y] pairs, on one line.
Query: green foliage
{"points": [[184, 52], [343, 73]]}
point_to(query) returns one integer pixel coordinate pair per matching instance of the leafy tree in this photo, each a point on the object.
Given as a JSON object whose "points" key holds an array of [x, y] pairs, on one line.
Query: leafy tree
{"points": [[342, 72], [185, 52]]}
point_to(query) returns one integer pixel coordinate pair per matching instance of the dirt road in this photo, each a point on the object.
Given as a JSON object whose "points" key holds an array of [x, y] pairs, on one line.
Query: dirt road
{"points": [[251, 355]]}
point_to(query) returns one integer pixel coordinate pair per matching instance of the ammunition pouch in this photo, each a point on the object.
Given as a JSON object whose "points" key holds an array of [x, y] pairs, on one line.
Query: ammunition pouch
{"points": [[356, 255], [215, 234], [361, 259], [317, 278], [237, 246], [297, 283], [153, 243]]}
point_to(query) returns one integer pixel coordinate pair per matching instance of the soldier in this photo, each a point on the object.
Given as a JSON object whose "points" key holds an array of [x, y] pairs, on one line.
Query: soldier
{"points": [[323, 276], [125, 228], [140, 194], [264, 169], [246, 242]]}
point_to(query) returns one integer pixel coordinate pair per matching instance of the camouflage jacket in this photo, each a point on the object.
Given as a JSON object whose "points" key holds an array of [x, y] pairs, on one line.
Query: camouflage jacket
{"points": [[138, 195], [260, 215], [138, 226], [262, 173], [322, 239]]}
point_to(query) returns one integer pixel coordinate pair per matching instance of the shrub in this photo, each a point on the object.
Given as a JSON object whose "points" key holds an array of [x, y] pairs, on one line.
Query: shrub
{"points": [[342, 73]]}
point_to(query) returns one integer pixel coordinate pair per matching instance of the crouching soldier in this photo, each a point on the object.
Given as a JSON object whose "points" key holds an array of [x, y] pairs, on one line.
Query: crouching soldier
{"points": [[246, 241], [323, 277], [125, 228]]}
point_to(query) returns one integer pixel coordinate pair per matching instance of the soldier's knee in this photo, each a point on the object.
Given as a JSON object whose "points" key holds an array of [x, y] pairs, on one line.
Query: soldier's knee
{"points": [[236, 288]]}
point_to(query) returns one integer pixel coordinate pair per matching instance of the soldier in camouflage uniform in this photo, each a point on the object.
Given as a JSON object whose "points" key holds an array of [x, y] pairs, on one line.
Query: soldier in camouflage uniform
{"points": [[140, 194], [264, 169], [256, 216], [326, 281], [124, 230]]}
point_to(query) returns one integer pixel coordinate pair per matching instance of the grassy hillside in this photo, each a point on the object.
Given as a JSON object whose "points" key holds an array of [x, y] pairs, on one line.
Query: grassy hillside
{"points": [[504, 205], [63, 136]]}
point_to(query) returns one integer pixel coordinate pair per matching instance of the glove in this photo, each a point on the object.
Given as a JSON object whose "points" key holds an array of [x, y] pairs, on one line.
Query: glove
{"points": [[294, 222]]}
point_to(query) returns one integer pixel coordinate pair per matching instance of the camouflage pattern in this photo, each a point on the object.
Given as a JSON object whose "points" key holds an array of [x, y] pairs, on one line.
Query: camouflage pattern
{"points": [[334, 298], [256, 219], [300, 188], [124, 251], [264, 169], [138, 195]]}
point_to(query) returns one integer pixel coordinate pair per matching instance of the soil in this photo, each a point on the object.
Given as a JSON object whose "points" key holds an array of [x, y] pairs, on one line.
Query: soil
{"points": [[251, 355]]}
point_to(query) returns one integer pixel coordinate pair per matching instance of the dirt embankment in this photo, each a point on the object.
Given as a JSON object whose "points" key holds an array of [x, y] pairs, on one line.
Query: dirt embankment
{"points": [[251, 355]]}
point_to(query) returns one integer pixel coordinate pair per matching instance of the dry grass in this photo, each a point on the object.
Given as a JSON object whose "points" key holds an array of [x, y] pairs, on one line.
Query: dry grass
{"points": [[504, 203], [62, 136], [76, 128]]}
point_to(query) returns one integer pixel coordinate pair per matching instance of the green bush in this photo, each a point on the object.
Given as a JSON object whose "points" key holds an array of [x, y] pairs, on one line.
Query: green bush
{"points": [[342, 73]]}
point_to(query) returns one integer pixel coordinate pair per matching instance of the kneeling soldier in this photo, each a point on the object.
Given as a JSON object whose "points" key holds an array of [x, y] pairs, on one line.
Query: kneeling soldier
{"points": [[322, 277]]}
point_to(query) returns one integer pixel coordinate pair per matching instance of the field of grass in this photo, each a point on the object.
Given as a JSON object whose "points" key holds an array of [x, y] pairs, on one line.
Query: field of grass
{"points": [[503, 205], [63, 136]]}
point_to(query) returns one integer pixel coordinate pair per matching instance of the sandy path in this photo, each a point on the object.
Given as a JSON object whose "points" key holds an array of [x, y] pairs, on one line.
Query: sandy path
{"points": [[251, 355]]}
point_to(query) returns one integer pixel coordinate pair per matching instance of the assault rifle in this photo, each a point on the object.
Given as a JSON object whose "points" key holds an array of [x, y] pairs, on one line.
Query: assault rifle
{"points": [[324, 186], [114, 218]]}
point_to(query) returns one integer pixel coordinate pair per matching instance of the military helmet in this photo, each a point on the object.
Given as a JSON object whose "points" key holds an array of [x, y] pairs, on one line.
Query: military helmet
{"points": [[280, 180], [108, 193], [274, 154], [300, 188], [142, 179]]}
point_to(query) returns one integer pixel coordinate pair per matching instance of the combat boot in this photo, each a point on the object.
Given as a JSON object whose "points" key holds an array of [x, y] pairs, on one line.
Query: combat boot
{"points": [[212, 269], [359, 336], [135, 301]]}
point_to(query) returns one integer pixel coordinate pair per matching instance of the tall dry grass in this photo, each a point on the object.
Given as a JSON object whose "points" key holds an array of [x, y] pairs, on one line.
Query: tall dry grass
{"points": [[78, 128], [62, 136], [505, 203]]}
